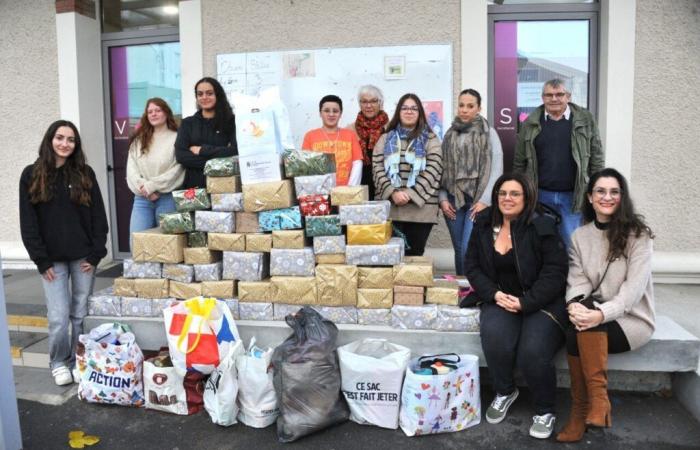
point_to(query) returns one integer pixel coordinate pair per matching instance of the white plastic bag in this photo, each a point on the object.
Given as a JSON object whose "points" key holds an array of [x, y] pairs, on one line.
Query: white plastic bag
{"points": [[256, 395], [164, 388], [221, 389], [372, 372]]}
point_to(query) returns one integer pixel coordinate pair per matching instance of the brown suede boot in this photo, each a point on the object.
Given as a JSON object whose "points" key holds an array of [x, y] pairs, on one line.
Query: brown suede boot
{"points": [[593, 348], [576, 425]]}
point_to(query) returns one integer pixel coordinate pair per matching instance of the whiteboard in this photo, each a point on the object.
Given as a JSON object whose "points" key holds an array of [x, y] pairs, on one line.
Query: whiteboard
{"points": [[304, 76]]}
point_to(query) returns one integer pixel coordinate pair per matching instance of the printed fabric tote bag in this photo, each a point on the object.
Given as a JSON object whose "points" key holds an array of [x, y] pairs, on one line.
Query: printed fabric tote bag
{"points": [[163, 386]]}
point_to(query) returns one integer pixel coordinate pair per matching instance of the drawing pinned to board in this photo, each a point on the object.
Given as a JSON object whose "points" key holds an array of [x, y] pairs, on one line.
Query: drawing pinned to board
{"points": [[394, 67], [435, 116], [298, 65]]}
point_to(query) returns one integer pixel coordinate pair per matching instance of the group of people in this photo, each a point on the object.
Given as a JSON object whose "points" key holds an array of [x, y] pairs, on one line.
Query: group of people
{"points": [[510, 232]]}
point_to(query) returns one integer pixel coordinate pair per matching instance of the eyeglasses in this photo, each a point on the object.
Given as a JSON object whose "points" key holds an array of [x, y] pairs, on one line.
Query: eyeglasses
{"points": [[409, 109], [511, 194], [374, 101], [550, 96], [602, 193]]}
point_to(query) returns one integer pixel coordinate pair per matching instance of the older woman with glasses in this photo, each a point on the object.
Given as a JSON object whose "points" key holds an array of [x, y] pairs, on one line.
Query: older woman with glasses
{"points": [[517, 265]]}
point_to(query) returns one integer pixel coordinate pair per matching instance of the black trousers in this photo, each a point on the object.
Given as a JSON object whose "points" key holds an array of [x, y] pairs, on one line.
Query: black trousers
{"points": [[368, 181], [617, 341], [416, 235]]}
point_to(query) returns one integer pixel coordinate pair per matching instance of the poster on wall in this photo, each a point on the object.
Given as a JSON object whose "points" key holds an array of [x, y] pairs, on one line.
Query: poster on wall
{"points": [[394, 67], [298, 65], [434, 114]]}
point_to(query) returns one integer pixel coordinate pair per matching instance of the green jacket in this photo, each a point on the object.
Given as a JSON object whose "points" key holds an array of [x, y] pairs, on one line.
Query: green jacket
{"points": [[585, 145]]}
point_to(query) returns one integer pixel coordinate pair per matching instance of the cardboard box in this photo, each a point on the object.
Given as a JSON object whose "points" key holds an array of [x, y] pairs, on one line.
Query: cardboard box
{"points": [[201, 255], [375, 298], [234, 242], [153, 245], [336, 258], [375, 277], [336, 284], [260, 168], [266, 196], [124, 287], [288, 239], [294, 290], [416, 274], [258, 242], [247, 222], [349, 195], [376, 234], [223, 289], [255, 291], [223, 185], [442, 296], [409, 295], [292, 262], [184, 273], [185, 290]]}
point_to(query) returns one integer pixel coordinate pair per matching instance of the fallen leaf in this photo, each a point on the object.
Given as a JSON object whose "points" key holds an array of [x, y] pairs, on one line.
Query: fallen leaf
{"points": [[78, 439]]}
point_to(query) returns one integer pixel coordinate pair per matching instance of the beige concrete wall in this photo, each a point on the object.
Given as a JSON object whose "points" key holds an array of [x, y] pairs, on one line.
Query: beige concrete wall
{"points": [[29, 101], [666, 153]]}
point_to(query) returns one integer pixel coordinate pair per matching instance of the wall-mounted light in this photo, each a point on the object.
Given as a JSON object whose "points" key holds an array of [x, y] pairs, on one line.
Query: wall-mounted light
{"points": [[170, 10]]}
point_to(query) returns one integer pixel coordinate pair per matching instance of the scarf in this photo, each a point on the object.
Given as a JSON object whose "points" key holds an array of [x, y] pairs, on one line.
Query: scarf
{"points": [[466, 159], [414, 155], [369, 130]]}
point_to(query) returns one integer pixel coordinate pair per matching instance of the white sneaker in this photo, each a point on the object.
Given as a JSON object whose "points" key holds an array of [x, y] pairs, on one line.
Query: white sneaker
{"points": [[76, 375], [62, 376], [542, 426]]}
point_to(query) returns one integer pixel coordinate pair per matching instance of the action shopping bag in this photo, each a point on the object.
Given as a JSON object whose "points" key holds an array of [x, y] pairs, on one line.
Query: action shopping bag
{"points": [[163, 387], [221, 389], [256, 394], [110, 365], [372, 372], [434, 403]]}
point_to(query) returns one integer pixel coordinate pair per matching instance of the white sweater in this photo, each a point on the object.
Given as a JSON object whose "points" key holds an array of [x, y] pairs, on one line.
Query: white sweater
{"points": [[157, 170]]}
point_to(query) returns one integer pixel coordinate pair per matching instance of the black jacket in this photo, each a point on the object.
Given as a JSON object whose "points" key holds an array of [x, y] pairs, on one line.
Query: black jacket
{"points": [[541, 263], [60, 230], [196, 130]]}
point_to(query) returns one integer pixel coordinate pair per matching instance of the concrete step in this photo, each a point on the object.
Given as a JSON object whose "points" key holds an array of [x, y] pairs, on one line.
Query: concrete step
{"points": [[29, 349], [37, 385]]}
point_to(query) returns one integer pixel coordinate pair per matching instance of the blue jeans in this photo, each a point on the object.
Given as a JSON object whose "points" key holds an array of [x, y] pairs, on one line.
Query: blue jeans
{"points": [[144, 214], [66, 302], [562, 202], [460, 229]]}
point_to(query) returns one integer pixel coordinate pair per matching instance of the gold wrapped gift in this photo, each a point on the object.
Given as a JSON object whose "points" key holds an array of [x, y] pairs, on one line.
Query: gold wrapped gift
{"points": [[125, 287], [258, 242], [336, 284], [375, 277], [349, 195], [255, 291], [246, 222], [219, 289], [153, 245], [266, 196], [418, 260], [418, 274], [454, 281], [442, 295], [408, 295], [288, 239], [294, 290], [234, 242], [331, 258], [223, 185], [151, 287], [376, 234], [185, 290], [201, 255], [375, 298]]}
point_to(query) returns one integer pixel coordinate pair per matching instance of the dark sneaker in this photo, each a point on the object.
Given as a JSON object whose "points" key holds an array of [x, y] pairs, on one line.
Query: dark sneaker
{"points": [[499, 407], [542, 426]]}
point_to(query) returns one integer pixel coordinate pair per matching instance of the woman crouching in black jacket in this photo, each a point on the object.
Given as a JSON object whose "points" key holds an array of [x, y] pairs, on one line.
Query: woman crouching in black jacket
{"points": [[517, 264]]}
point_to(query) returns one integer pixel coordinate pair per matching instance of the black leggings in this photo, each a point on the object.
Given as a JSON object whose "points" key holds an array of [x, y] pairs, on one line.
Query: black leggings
{"points": [[416, 234], [617, 341]]}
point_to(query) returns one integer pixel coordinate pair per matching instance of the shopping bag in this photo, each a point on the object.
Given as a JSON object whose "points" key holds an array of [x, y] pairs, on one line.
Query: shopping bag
{"points": [[110, 365], [256, 132], [164, 388], [372, 372], [200, 332], [434, 403], [221, 389], [256, 394]]}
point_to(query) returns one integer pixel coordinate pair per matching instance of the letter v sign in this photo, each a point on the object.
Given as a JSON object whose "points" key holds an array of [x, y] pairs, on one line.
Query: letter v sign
{"points": [[119, 130]]}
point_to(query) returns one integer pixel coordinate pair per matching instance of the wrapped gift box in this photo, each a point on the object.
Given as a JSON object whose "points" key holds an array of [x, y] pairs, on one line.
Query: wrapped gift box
{"points": [[388, 254], [408, 317], [349, 195], [255, 291], [413, 274], [105, 303], [247, 222], [223, 185], [153, 245], [176, 223], [314, 184], [454, 318], [192, 199], [230, 202], [375, 298], [451, 281], [246, 266], [184, 273], [366, 213], [222, 167], [159, 304], [418, 260], [197, 239], [255, 311], [233, 242], [336, 284], [288, 239], [375, 277], [232, 304], [133, 269], [336, 258], [409, 295], [328, 245], [151, 288], [314, 205], [266, 196], [280, 311], [208, 272], [223, 289], [292, 262], [338, 314], [298, 163], [124, 287], [185, 290], [442, 295], [294, 290], [381, 317], [258, 242], [323, 225], [137, 307], [377, 234], [214, 222], [280, 219], [201, 255]]}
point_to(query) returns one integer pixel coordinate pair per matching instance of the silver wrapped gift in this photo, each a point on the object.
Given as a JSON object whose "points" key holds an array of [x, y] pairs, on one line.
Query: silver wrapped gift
{"points": [[338, 314], [245, 266], [105, 303], [314, 184], [388, 254], [329, 245], [413, 317], [227, 202], [255, 311], [137, 307], [214, 221], [454, 318], [366, 213], [373, 316], [282, 310], [208, 272], [232, 304], [159, 304], [298, 262], [133, 269], [184, 273]]}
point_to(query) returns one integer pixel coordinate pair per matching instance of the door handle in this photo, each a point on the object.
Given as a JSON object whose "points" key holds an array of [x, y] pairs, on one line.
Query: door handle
{"points": [[110, 168]]}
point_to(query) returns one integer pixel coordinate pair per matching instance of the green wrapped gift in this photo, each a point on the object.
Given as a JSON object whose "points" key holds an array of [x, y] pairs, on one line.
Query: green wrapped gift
{"points": [[192, 199], [222, 167], [299, 163], [323, 225], [177, 223], [197, 239]]}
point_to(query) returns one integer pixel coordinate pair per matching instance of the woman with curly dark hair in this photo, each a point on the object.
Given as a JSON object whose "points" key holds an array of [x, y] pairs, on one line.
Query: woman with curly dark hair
{"points": [[610, 298], [64, 229]]}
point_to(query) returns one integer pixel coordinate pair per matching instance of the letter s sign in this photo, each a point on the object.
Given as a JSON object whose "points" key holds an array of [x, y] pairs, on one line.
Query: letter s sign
{"points": [[505, 118]]}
